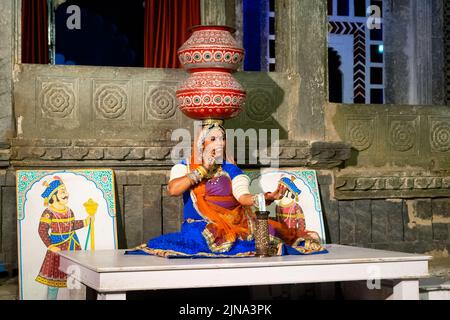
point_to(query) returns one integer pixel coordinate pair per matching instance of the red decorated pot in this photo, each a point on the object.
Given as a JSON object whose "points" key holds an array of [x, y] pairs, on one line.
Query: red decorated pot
{"points": [[211, 47], [210, 94]]}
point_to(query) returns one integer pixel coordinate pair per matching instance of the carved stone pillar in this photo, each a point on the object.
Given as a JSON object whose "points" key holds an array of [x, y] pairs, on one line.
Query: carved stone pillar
{"points": [[7, 27], [447, 49], [414, 52], [301, 48], [218, 12], [438, 51]]}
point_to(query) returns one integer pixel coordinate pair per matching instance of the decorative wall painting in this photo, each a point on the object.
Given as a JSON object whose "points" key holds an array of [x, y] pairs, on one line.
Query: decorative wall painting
{"points": [[60, 210]]}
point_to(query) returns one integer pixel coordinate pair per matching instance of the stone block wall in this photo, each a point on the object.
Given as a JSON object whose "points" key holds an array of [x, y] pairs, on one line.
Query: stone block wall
{"points": [[384, 178], [393, 136], [81, 102], [8, 218], [410, 225], [145, 211]]}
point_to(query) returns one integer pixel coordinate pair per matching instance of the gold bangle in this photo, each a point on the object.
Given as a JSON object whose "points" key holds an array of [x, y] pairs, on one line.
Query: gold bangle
{"points": [[199, 174], [202, 171]]}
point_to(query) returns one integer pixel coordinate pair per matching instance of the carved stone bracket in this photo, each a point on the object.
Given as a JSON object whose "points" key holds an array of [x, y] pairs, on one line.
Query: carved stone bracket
{"points": [[117, 153], [5, 155], [391, 185]]}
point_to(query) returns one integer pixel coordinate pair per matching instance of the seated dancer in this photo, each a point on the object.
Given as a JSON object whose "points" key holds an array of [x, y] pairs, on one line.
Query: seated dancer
{"points": [[218, 220]]}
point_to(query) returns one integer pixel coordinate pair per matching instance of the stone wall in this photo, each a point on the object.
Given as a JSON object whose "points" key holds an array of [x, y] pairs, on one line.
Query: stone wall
{"points": [[416, 225], [301, 49], [145, 211], [383, 170], [134, 103], [397, 151], [393, 135], [410, 225], [8, 221], [394, 191]]}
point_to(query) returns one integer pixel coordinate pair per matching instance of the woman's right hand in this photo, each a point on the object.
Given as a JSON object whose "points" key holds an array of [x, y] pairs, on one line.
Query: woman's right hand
{"points": [[276, 195], [209, 160]]}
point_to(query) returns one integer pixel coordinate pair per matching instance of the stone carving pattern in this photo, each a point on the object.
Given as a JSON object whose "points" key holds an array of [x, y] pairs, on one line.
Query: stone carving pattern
{"points": [[160, 103], [301, 155], [402, 135], [258, 105], [360, 134], [440, 136], [111, 101], [57, 99], [391, 183]]}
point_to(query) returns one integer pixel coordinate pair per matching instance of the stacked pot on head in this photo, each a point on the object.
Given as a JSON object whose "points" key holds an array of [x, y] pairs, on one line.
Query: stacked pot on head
{"points": [[211, 55]]}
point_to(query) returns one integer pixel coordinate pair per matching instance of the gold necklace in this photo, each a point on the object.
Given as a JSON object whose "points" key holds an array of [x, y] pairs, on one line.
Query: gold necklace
{"points": [[215, 169]]}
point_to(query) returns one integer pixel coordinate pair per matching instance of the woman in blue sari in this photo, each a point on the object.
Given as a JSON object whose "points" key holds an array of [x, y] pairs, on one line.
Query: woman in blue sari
{"points": [[218, 220]]}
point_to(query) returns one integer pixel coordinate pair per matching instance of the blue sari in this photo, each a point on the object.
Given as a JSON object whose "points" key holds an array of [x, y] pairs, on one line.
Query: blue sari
{"points": [[192, 241]]}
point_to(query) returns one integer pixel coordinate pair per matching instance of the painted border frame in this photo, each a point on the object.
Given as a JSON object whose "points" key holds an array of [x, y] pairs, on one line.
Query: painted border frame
{"points": [[107, 187], [309, 178]]}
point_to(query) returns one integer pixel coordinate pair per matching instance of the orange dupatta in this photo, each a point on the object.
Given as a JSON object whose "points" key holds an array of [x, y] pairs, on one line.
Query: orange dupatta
{"points": [[224, 225]]}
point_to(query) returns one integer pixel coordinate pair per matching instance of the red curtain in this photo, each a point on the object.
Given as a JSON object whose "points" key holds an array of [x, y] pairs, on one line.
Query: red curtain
{"points": [[166, 26], [35, 31]]}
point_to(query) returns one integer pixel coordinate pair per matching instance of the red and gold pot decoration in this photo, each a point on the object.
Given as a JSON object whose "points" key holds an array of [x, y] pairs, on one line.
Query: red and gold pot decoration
{"points": [[211, 47], [210, 94], [211, 55]]}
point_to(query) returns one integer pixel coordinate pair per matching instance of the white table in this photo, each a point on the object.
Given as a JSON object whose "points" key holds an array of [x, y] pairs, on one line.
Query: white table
{"points": [[112, 274]]}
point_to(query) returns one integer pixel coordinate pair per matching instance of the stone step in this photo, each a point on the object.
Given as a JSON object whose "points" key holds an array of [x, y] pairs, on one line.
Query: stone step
{"points": [[9, 289], [3, 267], [435, 288]]}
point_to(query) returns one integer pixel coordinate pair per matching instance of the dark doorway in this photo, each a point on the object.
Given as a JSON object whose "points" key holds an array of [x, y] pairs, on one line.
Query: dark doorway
{"points": [[335, 85], [111, 33]]}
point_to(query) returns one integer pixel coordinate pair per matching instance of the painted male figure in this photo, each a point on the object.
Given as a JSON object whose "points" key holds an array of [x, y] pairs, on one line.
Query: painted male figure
{"points": [[57, 228], [288, 210]]}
